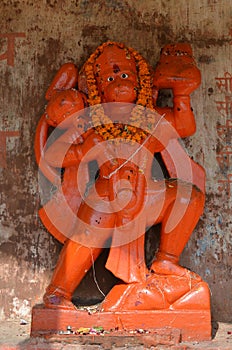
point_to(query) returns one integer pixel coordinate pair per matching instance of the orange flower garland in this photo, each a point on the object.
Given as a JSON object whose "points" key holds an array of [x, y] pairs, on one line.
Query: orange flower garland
{"points": [[141, 121]]}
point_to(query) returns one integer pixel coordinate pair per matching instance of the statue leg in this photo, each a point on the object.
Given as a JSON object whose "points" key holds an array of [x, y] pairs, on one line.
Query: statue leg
{"points": [[170, 286], [183, 207], [73, 263], [93, 230]]}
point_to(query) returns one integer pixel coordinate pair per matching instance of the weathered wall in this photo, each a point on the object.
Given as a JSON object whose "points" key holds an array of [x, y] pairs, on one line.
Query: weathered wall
{"points": [[37, 37]]}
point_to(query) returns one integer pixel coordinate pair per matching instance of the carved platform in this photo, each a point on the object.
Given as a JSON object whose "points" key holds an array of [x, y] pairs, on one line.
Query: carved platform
{"points": [[192, 325]]}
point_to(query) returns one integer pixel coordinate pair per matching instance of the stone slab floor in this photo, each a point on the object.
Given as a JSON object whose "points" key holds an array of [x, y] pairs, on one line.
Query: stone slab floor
{"points": [[16, 336]]}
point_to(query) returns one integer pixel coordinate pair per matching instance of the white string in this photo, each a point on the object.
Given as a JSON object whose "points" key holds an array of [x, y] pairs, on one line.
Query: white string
{"points": [[135, 152], [94, 275]]}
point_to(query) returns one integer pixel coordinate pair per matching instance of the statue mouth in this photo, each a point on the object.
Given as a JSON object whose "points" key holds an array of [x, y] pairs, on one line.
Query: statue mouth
{"points": [[119, 111]]}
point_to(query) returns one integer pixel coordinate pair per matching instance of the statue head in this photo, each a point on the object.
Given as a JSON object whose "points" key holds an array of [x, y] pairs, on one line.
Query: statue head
{"points": [[115, 72], [116, 75]]}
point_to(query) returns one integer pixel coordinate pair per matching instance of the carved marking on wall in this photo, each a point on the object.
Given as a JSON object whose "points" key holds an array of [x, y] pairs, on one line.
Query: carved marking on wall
{"points": [[224, 158], [224, 84], [230, 34], [226, 185], [3, 139], [9, 54], [224, 132]]}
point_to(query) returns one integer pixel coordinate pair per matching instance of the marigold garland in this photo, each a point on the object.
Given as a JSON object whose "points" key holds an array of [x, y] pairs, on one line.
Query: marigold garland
{"points": [[142, 118]]}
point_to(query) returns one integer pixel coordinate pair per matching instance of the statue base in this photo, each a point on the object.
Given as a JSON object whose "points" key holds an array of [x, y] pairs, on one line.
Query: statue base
{"points": [[193, 325]]}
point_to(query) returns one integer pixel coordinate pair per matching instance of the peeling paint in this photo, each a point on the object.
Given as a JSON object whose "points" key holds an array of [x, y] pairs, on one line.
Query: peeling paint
{"points": [[21, 308]]}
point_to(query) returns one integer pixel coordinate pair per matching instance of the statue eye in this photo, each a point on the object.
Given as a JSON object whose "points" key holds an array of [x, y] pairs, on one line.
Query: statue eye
{"points": [[110, 78], [124, 75]]}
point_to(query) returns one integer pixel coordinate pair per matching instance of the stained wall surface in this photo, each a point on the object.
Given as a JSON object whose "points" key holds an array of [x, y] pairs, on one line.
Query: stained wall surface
{"points": [[36, 37]]}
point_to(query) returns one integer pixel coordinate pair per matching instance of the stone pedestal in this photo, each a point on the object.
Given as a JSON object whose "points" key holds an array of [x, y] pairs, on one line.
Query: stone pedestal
{"points": [[193, 325]]}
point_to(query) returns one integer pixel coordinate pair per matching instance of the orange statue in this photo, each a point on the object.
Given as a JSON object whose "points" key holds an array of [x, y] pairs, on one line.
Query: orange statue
{"points": [[108, 113]]}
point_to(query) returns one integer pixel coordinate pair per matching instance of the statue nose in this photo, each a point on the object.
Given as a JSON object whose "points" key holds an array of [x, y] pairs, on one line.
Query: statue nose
{"points": [[117, 83], [118, 79], [120, 85], [120, 90]]}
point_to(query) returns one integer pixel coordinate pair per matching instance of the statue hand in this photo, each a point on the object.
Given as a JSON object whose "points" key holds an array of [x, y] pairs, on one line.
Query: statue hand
{"points": [[65, 78], [177, 70], [62, 107], [127, 191]]}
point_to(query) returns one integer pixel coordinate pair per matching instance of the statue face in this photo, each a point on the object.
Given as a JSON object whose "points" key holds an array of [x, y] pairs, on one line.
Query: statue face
{"points": [[116, 75]]}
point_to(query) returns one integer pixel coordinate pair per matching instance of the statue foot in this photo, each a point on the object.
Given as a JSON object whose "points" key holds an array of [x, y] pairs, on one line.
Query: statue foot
{"points": [[166, 267], [53, 301], [160, 292]]}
